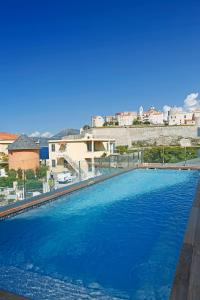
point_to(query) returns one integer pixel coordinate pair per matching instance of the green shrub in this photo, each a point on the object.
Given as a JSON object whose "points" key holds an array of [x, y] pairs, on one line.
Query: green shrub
{"points": [[6, 182], [33, 184], [12, 174], [171, 154], [41, 172], [30, 174], [122, 149], [19, 174]]}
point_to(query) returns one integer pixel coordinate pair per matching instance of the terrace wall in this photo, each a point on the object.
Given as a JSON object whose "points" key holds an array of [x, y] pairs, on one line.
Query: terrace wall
{"points": [[125, 136]]}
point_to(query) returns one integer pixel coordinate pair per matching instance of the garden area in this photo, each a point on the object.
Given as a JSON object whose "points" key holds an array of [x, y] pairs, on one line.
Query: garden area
{"points": [[160, 154], [30, 179], [169, 154]]}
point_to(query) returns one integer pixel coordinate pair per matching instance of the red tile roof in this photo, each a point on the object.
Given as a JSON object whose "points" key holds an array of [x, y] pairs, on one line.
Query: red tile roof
{"points": [[8, 136]]}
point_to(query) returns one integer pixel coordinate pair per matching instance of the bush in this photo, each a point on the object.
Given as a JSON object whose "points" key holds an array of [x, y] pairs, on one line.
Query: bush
{"points": [[6, 182], [12, 174], [19, 174], [30, 174], [137, 122], [122, 149], [171, 154], [33, 184], [41, 172]]}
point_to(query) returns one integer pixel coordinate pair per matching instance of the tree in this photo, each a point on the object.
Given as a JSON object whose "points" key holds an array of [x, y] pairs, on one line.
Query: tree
{"points": [[86, 127], [30, 174], [12, 174], [122, 149], [137, 122], [41, 172], [20, 174], [147, 122]]}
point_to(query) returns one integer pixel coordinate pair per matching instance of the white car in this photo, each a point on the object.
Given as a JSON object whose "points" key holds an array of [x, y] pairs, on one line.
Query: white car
{"points": [[64, 177]]}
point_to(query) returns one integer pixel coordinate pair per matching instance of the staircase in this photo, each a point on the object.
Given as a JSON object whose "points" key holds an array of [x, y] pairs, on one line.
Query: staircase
{"points": [[76, 166]]}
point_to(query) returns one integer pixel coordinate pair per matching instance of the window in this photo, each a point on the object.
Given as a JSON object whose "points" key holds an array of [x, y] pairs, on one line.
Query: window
{"points": [[89, 146], [53, 163], [53, 147], [63, 147]]}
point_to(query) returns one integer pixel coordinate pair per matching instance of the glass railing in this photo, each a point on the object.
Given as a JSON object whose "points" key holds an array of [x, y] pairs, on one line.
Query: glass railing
{"points": [[14, 188]]}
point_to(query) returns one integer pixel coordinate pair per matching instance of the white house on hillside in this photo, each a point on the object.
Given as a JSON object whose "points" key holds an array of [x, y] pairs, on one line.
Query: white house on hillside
{"points": [[126, 118], [177, 117]]}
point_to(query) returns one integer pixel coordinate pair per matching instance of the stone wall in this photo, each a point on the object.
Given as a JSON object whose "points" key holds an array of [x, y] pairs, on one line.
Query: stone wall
{"points": [[125, 136]]}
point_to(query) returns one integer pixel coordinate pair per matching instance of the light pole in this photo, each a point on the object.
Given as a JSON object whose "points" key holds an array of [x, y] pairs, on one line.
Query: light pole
{"points": [[185, 155], [163, 155], [24, 183]]}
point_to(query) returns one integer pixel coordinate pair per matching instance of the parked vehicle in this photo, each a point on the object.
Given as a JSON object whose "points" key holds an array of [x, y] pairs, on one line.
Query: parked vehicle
{"points": [[64, 177]]}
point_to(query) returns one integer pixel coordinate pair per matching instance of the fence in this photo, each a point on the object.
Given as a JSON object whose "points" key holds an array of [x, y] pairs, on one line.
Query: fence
{"points": [[17, 189], [170, 155], [28, 187]]}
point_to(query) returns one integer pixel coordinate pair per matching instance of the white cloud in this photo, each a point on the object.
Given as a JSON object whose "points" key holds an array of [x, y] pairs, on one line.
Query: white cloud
{"points": [[46, 134], [192, 102], [35, 134]]}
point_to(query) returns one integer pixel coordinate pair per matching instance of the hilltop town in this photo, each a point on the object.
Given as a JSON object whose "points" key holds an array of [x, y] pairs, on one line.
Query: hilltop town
{"points": [[173, 116]]}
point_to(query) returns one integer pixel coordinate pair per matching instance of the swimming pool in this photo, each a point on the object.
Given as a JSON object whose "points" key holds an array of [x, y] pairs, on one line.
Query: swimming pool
{"points": [[119, 239]]}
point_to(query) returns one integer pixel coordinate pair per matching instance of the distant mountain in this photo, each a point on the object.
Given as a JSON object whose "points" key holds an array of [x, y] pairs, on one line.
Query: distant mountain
{"points": [[65, 132]]}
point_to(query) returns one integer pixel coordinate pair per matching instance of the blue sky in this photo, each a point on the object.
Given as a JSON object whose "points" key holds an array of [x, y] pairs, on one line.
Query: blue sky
{"points": [[63, 61]]}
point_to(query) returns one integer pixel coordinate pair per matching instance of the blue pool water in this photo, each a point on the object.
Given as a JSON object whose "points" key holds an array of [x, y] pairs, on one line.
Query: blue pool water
{"points": [[119, 239]]}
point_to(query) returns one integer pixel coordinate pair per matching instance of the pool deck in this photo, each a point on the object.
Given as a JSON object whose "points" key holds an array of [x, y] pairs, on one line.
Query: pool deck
{"points": [[186, 285]]}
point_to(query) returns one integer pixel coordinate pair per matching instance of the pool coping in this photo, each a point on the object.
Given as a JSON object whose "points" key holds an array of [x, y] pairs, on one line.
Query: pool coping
{"points": [[168, 166], [4, 295], [186, 284], [22, 205]]}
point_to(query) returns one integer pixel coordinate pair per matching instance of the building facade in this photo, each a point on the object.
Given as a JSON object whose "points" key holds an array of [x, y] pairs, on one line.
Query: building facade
{"points": [[78, 152], [23, 154], [153, 116], [177, 117], [5, 140], [126, 118]]}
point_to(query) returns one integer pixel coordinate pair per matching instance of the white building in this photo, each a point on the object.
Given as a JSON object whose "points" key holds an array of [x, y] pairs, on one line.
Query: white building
{"points": [[152, 116], [5, 140], [97, 121], [110, 119], [126, 118], [78, 152], [178, 117], [156, 118]]}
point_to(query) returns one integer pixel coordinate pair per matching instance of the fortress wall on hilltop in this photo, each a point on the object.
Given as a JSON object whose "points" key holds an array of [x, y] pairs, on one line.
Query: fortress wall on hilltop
{"points": [[125, 136]]}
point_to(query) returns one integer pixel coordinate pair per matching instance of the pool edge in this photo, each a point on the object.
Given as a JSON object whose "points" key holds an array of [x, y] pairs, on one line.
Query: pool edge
{"points": [[186, 283]]}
